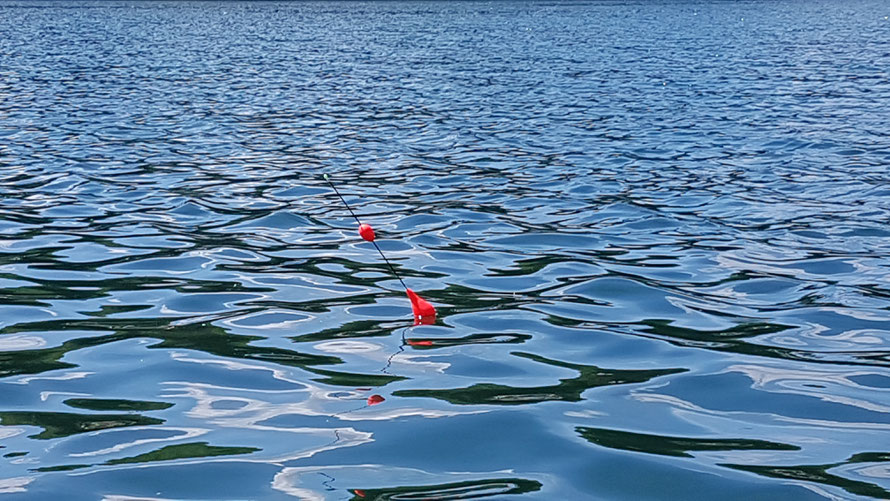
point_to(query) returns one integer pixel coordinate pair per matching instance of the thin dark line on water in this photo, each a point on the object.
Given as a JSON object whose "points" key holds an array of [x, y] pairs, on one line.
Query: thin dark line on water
{"points": [[326, 178], [327, 483], [390, 265], [357, 220], [385, 369]]}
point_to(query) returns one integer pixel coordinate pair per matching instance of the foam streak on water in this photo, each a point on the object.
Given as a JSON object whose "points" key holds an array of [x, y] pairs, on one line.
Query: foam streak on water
{"points": [[656, 234]]}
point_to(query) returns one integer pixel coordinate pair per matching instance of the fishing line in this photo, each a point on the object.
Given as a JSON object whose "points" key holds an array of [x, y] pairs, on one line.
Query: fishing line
{"points": [[424, 312], [357, 220]]}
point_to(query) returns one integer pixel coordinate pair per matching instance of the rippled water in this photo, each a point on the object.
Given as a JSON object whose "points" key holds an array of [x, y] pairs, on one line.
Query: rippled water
{"points": [[656, 234]]}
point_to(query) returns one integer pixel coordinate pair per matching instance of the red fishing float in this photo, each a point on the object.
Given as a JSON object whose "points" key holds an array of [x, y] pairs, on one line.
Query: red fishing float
{"points": [[375, 399], [366, 232], [424, 312]]}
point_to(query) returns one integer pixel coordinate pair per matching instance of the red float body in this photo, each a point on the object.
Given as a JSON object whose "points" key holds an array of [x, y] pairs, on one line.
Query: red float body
{"points": [[366, 232], [424, 312]]}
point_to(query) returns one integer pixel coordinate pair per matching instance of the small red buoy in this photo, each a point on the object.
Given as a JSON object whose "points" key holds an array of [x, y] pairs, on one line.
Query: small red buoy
{"points": [[420, 342], [424, 312], [366, 232], [358, 492], [375, 399]]}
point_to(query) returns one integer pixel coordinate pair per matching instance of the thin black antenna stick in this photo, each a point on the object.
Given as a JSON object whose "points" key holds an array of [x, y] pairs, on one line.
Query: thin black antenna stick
{"points": [[391, 268]]}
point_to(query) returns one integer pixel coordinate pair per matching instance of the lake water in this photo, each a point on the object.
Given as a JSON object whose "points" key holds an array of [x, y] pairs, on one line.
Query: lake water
{"points": [[656, 233]]}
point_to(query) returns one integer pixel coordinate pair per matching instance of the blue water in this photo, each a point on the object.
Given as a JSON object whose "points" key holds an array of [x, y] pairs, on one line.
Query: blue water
{"points": [[656, 233]]}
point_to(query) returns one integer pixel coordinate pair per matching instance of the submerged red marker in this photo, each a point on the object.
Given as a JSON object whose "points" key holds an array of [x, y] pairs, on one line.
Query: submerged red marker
{"points": [[424, 312]]}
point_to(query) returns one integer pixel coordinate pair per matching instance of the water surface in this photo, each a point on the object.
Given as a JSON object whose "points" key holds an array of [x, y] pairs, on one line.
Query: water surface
{"points": [[656, 234]]}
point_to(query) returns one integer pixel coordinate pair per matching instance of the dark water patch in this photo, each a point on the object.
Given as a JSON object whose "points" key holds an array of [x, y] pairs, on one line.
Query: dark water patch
{"points": [[350, 379], [184, 451], [456, 490], [199, 336], [441, 342], [569, 390], [821, 474], [63, 467], [673, 446], [355, 329], [64, 424], [96, 404]]}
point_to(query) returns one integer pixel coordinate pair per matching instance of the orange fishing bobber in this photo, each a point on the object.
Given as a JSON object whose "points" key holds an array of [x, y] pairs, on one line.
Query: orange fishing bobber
{"points": [[366, 232]]}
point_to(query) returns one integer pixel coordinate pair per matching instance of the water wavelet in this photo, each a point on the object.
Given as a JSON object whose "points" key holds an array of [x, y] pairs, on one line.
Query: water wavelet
{"points": [[660, 226], [370, 481], [570, 389], [673, 446], [835, 474], [63, 424]]}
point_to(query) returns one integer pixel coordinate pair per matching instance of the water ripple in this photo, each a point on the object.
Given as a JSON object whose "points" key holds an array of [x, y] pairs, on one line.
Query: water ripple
{"points": [[655, 234]]}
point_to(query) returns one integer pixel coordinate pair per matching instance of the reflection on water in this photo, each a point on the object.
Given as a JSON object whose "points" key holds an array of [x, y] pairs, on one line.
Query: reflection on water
{"points": [[820, 474], [673, 446], [59, 424], [315, 482], [115, 405], [460, 490], [655, 234], [568, 389]]}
